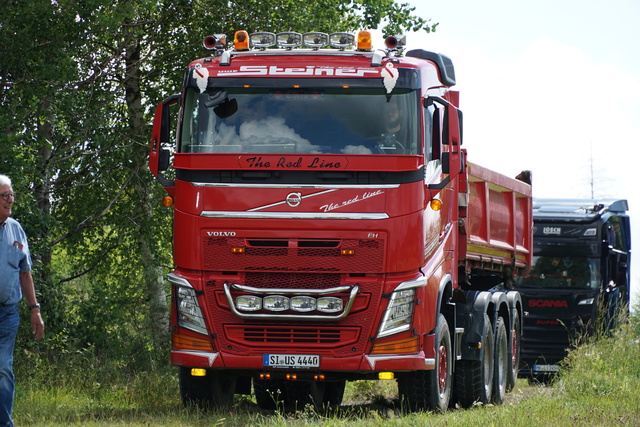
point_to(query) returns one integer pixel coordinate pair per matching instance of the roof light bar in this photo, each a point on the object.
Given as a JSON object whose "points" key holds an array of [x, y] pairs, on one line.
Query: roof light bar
{"points": [[263, 40], [289, 39], [341, 40], [315, 40]]}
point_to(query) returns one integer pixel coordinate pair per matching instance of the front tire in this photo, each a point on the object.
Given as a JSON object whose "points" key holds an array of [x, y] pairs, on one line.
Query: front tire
{"points": [[432, 389], [215, 389]]}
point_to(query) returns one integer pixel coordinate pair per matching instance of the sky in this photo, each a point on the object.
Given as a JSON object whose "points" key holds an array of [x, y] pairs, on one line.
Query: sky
{"points": [[551, 86]]}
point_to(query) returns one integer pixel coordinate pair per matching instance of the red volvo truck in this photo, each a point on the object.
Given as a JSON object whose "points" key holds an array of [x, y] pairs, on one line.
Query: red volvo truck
{"points": [[329, 228]]}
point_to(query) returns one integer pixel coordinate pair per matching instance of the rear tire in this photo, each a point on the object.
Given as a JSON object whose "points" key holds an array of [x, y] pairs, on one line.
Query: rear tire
{"points": [[502, 363], [514, 352], [431, 390], [474, 378]]}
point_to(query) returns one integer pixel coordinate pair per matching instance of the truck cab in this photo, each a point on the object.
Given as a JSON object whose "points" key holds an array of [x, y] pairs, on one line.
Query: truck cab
{"points": [[579, 280]]}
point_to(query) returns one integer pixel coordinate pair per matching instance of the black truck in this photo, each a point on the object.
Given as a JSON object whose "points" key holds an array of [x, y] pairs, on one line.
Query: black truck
{"points": [[579, 278]]}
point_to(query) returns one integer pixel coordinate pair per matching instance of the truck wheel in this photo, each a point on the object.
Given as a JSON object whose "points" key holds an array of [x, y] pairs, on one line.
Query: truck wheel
{"points": [[502, 365], [215, 389], [334, 393], [474, 378], [514, 351], [269, 393], [431, 389], [322, 395]]}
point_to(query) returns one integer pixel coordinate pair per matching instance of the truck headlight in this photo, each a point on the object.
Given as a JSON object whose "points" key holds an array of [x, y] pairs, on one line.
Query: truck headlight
{"points": [[188, 310], [397, 317]]}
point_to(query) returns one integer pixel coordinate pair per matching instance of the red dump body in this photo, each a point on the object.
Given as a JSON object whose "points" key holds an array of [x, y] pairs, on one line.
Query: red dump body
{"points": [[310, 242]]}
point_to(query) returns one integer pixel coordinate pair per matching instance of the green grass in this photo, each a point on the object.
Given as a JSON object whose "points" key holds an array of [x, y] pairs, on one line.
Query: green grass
{"points": [[598, 386]]}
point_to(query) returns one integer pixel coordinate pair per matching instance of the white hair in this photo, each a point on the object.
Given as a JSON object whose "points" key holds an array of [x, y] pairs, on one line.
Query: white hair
{"points": [[5, 180]]}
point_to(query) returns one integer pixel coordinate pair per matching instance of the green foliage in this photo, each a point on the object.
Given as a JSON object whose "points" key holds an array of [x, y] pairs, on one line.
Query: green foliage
{"points": [[78, 86]]}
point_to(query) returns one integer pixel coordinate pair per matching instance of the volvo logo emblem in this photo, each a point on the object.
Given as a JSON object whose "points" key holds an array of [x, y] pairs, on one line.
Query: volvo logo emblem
{"points": [[294, 199]]}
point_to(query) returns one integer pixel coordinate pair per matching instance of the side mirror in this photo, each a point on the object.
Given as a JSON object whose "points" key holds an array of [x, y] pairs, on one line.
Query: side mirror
{"points": [[163, 159]]}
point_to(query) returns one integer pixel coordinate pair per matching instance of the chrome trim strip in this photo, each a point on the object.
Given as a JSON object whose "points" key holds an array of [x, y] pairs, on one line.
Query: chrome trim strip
{"points": [[315, 317], [373, 359], [210, 356], [284, 201], [251, 289], [318, 186], [293, 215], [177, 280]]}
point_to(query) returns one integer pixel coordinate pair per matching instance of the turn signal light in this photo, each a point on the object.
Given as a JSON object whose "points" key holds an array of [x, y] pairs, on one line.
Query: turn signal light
{"points": [[407, 345], [435, 204], [167, 201], [183, 342]]}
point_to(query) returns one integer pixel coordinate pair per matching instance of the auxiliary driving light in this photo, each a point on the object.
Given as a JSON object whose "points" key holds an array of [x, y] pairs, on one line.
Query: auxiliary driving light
{"points": [[289, 39], [263, 40], [276, 303], [329, 304], [341, 40], [303, 303], [249, 303], [315, 40]]}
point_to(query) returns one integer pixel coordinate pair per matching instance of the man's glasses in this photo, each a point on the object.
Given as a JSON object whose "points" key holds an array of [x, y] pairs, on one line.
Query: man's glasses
{"points": [[7, 196]]}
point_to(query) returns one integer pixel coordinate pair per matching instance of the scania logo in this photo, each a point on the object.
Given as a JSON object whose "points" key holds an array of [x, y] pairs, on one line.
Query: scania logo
{"points": [[548, 303], [294, 199]]}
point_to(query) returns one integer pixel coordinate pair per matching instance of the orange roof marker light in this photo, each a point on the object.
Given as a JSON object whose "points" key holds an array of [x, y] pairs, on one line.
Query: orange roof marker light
{"points": [[241, 40], [364, 40]]}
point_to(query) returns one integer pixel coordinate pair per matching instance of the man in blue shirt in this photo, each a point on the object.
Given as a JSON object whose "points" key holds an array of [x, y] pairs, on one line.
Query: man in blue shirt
{"points": [[15, 281]]}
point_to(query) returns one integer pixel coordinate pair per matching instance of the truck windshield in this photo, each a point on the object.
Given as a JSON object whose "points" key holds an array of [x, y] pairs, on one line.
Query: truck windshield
{"points": [[322, 121], [563, 272]]}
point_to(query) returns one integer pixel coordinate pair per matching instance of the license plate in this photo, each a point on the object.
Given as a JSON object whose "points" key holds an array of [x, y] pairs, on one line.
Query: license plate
{"points": [[546, 368], [291, 361]]}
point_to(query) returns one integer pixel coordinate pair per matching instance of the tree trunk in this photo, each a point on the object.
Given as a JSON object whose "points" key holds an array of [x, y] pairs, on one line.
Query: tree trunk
{"points": [[158, 316]]}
